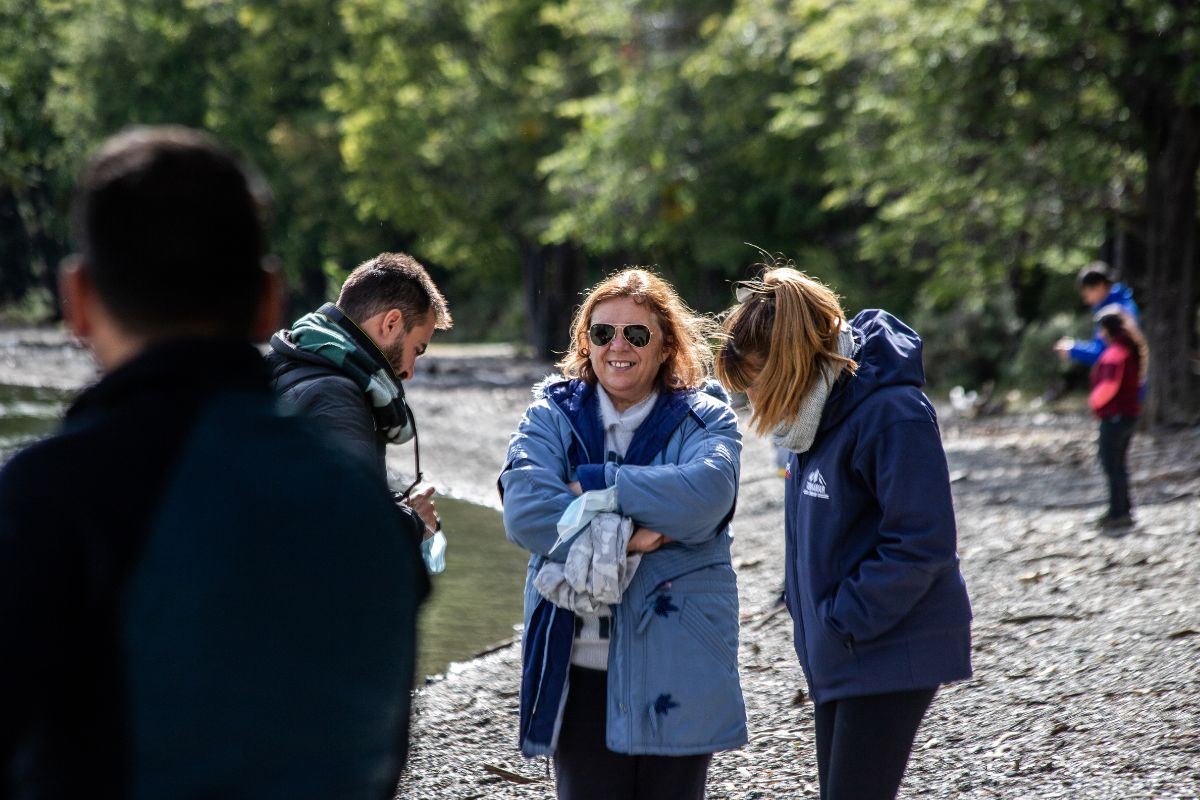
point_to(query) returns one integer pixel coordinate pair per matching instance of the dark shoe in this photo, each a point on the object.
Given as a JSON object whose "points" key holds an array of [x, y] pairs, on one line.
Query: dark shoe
{"points": [[1115, 526]]}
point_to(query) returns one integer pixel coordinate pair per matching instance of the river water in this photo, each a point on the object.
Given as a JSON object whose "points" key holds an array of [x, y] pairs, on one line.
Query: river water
{"points": [[475, 602]]}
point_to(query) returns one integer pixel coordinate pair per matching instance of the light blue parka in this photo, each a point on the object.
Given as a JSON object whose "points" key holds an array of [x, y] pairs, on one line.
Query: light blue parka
{"points": [[673, 685]]}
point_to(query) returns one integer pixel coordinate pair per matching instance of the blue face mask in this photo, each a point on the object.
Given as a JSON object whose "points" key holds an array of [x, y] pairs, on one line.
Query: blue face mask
{"points": [[582, 509], [433, 550]]}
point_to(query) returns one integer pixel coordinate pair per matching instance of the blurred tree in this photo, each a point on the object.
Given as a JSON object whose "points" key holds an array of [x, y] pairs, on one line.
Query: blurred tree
{"points": [[994, 141], [253, 73], [956, 161], [672, 161], [446, 110], [34, 178], [271, 102]]}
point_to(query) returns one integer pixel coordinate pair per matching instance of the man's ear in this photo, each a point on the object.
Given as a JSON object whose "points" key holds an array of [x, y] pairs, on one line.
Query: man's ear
{"points": [[78, 294], [392, 325], [268, 315]]}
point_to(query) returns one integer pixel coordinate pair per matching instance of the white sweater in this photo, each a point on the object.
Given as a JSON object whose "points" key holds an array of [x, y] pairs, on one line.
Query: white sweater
{"points": [[590, 649]]}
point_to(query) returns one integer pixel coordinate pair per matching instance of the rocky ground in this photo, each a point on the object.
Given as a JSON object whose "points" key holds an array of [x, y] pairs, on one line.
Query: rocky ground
{"points": [[1086, 647]]}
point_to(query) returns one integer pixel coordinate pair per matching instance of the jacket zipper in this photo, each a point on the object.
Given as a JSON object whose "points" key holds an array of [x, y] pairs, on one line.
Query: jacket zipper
{"points": [[797, 602]]}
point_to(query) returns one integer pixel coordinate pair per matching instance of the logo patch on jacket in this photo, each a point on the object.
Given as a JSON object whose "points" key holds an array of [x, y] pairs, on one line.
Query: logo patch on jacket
{"points": [[814, 486]]}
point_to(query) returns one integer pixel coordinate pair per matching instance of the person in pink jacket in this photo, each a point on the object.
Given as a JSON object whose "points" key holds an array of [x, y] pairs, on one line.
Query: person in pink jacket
{"points": [[1115, 399]]}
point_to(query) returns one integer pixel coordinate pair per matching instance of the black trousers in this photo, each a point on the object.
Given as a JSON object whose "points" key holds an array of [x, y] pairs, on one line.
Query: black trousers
{"points": [[863, 743], [584, 768], [1115, 435]]}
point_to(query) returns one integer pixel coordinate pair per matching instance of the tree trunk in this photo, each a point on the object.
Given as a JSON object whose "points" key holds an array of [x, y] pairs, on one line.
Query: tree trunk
{"points": [[37, 211], [1169, 318], [551, 277], [16, 262]]}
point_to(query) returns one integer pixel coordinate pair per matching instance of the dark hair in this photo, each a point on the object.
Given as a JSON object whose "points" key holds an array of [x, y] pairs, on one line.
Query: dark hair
{"points": [[393, 280], [1093, 274], [1122, 327], [170, 225], [1113, 324]]}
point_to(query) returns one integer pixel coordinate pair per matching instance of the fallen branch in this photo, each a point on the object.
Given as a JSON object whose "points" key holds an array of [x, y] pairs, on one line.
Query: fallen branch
{"points": [[767, 617], [1024, 618], [509, 775]]}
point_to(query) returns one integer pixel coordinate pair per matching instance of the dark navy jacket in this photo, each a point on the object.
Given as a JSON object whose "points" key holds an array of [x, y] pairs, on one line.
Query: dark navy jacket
{"points": [[200, 597], [873, 583], [315, 387]]}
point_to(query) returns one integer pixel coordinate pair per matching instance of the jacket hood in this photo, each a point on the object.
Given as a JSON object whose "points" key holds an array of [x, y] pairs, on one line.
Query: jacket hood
{"points": [[1119, 295], [283, 356], [889, 354], [541, 389]]}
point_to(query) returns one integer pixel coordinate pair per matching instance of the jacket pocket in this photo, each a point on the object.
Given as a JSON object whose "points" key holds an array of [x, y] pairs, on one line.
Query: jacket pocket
{"points": [[688, 696], [705, 618]]}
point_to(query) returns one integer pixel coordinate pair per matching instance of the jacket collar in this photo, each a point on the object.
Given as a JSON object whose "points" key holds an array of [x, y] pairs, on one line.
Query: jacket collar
{"points": [[579, 402], [185, 369]]}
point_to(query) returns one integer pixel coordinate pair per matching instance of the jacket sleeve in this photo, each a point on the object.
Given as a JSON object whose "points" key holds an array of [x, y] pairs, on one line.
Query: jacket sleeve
{"points": [[341, 409], [1106, 382], [533, 484], [905, 467], [688, 500], [1087, 352]]}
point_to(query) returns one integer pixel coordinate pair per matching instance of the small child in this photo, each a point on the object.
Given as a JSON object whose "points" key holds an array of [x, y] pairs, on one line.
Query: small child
{"points": [[1115, 400]]}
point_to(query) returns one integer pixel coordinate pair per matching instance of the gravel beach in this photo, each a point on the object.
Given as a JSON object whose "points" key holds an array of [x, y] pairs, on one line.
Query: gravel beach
{"points": [[1086, 647]]}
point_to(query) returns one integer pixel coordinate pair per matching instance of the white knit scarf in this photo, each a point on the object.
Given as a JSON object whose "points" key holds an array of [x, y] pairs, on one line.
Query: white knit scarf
{"points": [[797, 434]]}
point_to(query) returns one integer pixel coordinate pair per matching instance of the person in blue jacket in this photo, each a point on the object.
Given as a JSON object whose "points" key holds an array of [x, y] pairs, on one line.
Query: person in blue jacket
{"points": [[632, 701], [1098, 290], [880, 611]]}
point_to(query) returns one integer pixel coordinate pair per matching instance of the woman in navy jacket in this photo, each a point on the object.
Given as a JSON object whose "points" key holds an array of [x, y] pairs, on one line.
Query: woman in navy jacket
{"points": [[634, 700], [880, 610]]}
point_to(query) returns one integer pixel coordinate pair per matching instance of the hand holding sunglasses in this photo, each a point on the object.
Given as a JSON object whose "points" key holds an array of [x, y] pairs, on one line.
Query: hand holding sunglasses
{"points": [[601, 333]]}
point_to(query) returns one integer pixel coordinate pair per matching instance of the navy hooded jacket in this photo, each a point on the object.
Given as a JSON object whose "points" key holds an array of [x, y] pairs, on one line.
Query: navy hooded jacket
{"points": [[873, 582]]}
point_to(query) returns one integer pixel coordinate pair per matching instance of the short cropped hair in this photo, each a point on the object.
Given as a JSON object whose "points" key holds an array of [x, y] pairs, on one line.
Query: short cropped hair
{"points": [[1094, 274], [394, 280], [686, 334], [779, 339], [171, 229]]}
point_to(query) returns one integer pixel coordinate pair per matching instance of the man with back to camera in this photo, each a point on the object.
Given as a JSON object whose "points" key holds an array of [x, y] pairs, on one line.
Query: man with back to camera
{"points": [[1098, 290], [189, 604], [344, 365]]}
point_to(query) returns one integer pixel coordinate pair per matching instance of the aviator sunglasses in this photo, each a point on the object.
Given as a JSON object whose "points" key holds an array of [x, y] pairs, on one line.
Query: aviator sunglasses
{"points": [[601, 333]]}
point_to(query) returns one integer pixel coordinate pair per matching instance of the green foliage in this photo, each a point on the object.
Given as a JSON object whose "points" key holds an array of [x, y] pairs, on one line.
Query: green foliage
{"points": [[968, 168], [1033, 365], [442, 122], [952, 160], [254, 74], [671, 156], [34, 175]]}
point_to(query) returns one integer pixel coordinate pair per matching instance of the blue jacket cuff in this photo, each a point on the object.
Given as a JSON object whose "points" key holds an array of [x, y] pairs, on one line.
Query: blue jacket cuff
{"points": [[591, 476]]}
